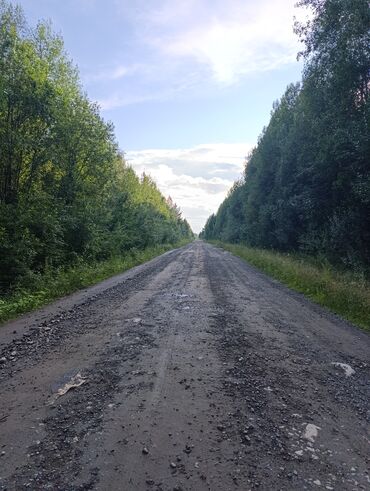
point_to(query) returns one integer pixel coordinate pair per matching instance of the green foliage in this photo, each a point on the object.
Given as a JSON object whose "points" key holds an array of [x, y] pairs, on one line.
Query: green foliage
{"points": [[66, 193], [343, 293], [306, 185]]}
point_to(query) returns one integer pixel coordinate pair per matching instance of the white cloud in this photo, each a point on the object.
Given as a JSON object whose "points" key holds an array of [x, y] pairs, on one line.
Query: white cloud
{"points": [[196, 178], [115, 72], [116, 100], [240, 39], [197, 46]]}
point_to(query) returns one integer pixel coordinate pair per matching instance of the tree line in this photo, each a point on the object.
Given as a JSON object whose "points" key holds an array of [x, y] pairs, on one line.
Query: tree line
{"points": [[66, 193], [306, 184]]}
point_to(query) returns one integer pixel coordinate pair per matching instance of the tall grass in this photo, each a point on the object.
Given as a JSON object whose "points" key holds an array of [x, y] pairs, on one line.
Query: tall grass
{"points": [[343, 292], [55, 284]]}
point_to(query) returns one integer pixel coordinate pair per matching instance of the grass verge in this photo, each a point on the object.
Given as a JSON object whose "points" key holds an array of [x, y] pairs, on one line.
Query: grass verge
{"points": [[341, 292], [56, 284]]}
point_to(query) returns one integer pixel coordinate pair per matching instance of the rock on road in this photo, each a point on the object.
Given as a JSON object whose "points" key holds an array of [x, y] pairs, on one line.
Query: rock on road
{"points": [[191, 372]]}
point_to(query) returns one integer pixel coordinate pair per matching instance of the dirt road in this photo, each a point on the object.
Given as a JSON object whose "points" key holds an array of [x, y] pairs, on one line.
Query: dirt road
{"points": [[192, 372]]}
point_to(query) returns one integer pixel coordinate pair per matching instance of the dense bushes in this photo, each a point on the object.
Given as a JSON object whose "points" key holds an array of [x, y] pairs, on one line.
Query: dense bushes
{"points": [[66, 193], [306, 185]]}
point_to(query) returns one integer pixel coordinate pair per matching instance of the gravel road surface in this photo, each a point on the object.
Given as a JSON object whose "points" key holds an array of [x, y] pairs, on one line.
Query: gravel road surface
{"points": [[191, 372]]}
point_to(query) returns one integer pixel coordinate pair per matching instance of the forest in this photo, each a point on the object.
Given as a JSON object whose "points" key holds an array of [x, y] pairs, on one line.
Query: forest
{"points": [[67, 196], [306, 184]]}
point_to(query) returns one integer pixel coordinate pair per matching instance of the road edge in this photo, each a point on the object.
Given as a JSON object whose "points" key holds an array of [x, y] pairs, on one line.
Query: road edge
{"points": [[299, 296], [17, 327]]}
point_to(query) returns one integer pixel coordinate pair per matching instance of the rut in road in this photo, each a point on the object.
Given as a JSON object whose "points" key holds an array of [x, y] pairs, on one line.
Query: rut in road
{"points": [[197, 373]]}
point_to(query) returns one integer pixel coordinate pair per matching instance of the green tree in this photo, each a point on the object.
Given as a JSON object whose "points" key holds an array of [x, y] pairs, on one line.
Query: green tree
{"points": [[307, 182], [66, 193]]}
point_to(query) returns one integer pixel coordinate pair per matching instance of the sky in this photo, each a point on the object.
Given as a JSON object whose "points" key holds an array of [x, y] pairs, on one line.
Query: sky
{"points": [[188, 84]]}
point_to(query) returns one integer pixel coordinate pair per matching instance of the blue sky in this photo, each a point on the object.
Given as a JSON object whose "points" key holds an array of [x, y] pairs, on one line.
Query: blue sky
{"points": [[188, 84]]}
